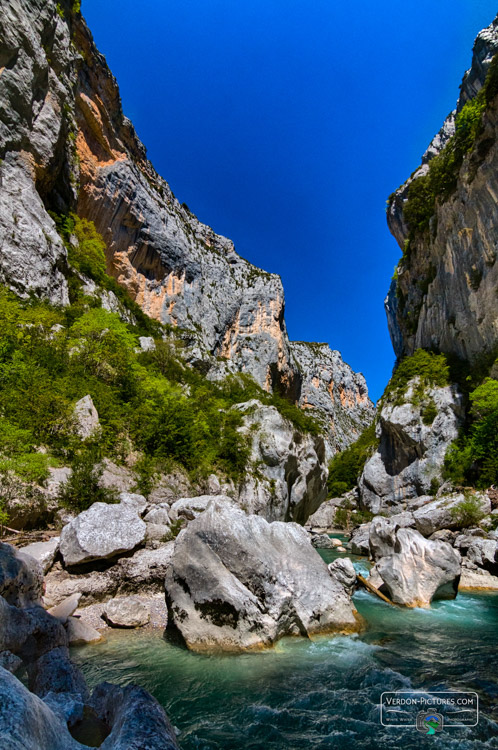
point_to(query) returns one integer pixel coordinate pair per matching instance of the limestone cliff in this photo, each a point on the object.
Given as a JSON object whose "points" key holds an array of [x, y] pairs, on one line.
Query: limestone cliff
{"points": [[333, 393], [443, 296], [65, 146]]}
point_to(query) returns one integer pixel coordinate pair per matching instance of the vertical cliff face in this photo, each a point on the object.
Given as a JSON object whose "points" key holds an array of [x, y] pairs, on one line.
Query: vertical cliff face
{"points": [[444, 294], [66, 147], [333, 393]]}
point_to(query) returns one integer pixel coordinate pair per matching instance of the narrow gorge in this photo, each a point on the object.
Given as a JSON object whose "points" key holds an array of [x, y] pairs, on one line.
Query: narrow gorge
{"points": [[210, 536]]}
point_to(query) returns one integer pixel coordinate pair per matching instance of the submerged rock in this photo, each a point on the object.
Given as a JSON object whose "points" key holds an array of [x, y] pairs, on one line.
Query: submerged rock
{"points": [[417, 569], [101, 532], [80, 632], [237, 582]]}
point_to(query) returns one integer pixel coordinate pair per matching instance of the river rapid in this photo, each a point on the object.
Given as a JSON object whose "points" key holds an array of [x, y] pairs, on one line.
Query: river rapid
{"points": [[323, 693]]}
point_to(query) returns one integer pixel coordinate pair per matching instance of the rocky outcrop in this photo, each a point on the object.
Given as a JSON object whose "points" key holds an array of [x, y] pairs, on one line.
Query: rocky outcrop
{"points": [[443, 296], [42, 717], [410, 569], [87, 418], [409, 460], [142, 572], [237, 582], [290, 480], [101, 532], [332, 393]]}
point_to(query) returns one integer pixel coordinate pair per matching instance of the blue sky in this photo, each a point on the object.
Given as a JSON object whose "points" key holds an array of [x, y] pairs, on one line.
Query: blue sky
{"points": [[285, 125]]}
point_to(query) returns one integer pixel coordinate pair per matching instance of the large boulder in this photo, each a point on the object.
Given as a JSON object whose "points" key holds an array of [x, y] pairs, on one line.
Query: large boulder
{"points": [[138, 721], [382, 537], [103, 531], [442, 513], [237, 582], [190, 507], [21, 577], [409, 459], [322, 520], [291, 480], [359, 543], [343, 571], [484, 554], [417, 569]]}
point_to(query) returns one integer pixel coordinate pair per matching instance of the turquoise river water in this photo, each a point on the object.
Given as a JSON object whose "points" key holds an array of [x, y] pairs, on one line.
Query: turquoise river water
{"points": [[323, 693]]}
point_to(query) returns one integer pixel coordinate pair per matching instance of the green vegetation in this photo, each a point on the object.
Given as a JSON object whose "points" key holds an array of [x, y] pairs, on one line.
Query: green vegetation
{"points": [[431, 370], [468, 512], [346, 467], [82, 488], [149, 402], [174, 530], [429, 412], [346, 517], [86, 255], [473, 458], [439, 183]]}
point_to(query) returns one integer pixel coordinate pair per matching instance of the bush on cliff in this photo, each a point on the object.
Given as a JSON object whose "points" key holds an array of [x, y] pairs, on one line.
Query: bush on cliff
{"points": [[473, 458], [153, 402], [345, 467], [429, 369]]}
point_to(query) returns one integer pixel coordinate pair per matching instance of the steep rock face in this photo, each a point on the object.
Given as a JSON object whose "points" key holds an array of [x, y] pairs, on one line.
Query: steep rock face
{"points": [[333, 393], [34, 144], [444, 296], [290, 477], [65, 145], [410, 453]]}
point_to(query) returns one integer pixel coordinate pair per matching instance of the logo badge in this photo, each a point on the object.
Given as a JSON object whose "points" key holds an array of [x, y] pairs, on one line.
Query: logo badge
{"points": [[429, 722]]}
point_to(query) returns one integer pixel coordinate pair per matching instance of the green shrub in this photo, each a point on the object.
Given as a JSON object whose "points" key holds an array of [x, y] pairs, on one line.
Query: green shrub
{"points": [[345, 467], [82, 488], [432, 370], [429, 412], [468, 512], [473, 458]]}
